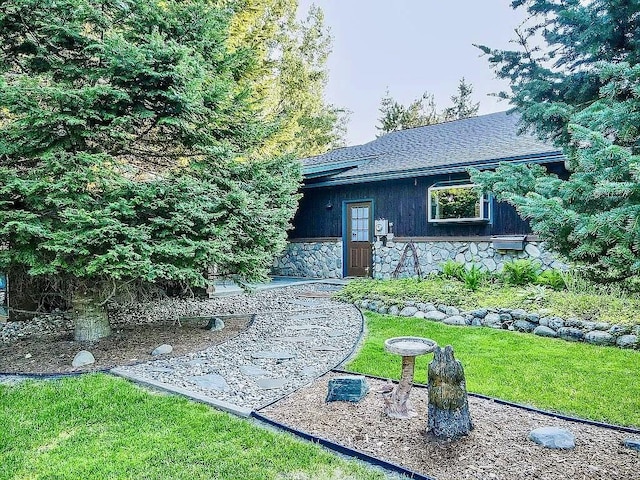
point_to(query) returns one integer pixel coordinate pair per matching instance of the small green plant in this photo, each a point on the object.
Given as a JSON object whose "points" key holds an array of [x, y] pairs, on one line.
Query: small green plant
{"points": [[552, 278], [453, 269], [474, 277], [521, 272]]}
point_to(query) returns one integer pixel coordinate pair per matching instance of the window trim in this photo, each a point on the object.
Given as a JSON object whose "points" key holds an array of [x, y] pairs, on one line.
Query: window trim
{"points": [[484, 199]]}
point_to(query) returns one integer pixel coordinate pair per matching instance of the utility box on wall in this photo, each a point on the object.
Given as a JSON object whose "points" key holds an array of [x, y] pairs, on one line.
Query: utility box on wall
{"points": [[512, 242], [381, 227]]}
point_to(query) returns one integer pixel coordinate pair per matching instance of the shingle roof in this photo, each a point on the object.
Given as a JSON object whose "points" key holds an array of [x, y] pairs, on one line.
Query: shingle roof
{"points": [[450, 146]]}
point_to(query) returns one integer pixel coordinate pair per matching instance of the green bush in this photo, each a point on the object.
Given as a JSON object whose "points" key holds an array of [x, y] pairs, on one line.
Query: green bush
{"points": [[453, 269], [521, 272], [552, 278]]}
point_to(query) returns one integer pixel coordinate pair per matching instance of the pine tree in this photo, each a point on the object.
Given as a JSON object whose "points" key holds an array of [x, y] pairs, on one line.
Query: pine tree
{"points": [[462, 106], [581, 92], [126, 135], [395, 116]]}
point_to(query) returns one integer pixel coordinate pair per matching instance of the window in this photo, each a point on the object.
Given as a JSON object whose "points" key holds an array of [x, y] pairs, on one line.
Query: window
{"points": [[359, 224], [457, 203]]}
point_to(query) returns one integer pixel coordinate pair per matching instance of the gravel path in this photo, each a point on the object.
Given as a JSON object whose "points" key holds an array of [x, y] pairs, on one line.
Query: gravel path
{"points": [[298, 334]]}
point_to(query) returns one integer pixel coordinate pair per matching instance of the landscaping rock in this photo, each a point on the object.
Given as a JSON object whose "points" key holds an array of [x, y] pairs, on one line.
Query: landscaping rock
{"points": [[602, 326], [573, 322], [524, 326], [632, 443], [253, 371], [435, 315], [543, 331], [598, 337], [383, 309], [476, 322], [281, 355], [553, 437], [408, 311], [394, 310], [215, 324], [533, 318], [492, 320], [506, 317], [627, 341], [455, 320], [635, 330], [162, 350], [518, 314], [271, 383], [571, 334], [419, 314], [618, 330], [555, 323], [425, 307], [479, 313], [347, 389], [82, 358], [451, 311]]}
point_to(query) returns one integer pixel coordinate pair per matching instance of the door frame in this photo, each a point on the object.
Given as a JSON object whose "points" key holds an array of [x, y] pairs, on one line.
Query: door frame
{"points": [[345, 205]]}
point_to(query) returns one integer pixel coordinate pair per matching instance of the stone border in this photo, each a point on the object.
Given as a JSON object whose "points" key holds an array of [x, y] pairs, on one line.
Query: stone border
{"points": [[570, 329]]}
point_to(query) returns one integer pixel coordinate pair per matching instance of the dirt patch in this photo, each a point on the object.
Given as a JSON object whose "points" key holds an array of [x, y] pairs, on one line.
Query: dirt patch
{"points": [[127, 345], [497, 448]]}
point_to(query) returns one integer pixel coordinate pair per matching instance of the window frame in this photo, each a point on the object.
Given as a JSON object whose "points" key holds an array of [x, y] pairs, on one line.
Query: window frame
{"points": [[483, 198]]}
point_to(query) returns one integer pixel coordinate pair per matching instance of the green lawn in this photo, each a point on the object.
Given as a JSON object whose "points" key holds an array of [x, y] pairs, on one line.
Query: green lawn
{"points": [[105, 428], [599, 383]]}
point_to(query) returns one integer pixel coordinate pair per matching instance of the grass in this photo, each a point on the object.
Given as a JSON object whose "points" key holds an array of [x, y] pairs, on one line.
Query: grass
{"points": [[591, 305], [598, 383], [102, 427]]}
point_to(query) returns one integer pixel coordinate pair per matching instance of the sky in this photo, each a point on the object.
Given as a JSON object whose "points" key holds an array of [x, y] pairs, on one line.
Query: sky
{"points": [[412, 46]]}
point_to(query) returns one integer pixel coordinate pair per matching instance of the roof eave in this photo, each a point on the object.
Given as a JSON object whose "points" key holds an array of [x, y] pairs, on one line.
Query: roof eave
{"points": [[540, 158]]}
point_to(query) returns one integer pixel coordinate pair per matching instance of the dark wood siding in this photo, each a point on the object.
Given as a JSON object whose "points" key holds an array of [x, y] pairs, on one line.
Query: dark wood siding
{"points": [[403, 202]]}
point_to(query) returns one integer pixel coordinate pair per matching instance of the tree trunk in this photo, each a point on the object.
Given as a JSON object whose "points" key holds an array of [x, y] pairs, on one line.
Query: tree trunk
{"points": [[448, 416], [90, 318], [396, 402]]}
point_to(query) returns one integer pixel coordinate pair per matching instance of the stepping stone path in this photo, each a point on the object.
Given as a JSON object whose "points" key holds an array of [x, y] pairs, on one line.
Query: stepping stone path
{"points": [[253, 371], [280, 351], [282, 355], [271, 383], [211, 381]]}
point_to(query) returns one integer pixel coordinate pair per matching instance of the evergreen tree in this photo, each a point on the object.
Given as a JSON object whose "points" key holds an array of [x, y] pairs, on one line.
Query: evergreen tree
{"points": [[289, 74], [582, 92], [126, 147], [395, 116], [462, 105]]}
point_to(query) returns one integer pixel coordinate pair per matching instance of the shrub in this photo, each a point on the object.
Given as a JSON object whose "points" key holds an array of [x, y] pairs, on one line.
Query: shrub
{"points": [[552, 278], [521, 272], [473, 278], [453, 269]]}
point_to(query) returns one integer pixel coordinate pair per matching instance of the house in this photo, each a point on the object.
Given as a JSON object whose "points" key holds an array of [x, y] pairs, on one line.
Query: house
{"points": [[403, 204]]}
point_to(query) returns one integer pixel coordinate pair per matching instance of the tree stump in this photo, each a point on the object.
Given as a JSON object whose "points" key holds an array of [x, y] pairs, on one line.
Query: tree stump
{"points": [[90, 318], [448, 415]]}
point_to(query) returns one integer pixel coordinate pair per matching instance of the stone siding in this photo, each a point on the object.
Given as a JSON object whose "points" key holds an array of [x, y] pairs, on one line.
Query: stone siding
{"points": [[310, 259], [432, 254]]}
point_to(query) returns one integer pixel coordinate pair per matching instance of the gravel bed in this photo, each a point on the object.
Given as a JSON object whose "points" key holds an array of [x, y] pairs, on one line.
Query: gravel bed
{"points": [[314, 334], [497, 448]]}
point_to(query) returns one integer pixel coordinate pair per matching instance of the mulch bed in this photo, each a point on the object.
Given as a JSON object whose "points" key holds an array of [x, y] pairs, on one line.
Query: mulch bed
{"points": [[127, 345], [497, 448]]}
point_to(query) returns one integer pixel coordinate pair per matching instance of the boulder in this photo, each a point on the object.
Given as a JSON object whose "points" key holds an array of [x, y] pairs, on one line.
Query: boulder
{"points": [[543, 331], [524, 326], [618, 330], [602, 326], [492, 320], [553, 437], [518, 314], [476, 322], [555, 323], [162, 350], [627, 341], [533, 317], [419, 314], [451, 311], [598, 337], [347, 389], [435, 315], [83, 358], [455, 320], [571, 334], [479, 313], [425, 307], [408, 311], [394, 310]]}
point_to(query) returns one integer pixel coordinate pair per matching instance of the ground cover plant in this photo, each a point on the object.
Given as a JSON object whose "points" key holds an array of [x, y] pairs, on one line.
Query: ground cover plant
{"points": [[102, 427], [581, 300], [592, 382]]}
